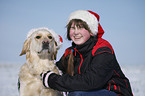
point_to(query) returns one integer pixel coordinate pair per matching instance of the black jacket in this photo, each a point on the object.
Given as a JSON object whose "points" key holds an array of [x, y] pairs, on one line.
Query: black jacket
{"points": [[95, 67]]}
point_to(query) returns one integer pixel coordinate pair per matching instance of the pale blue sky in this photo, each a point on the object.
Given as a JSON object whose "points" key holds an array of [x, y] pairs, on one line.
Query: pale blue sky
{"points": [[122, 20]]}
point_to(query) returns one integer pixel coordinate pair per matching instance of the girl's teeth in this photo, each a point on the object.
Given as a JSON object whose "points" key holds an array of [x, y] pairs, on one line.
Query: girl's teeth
{"points": [[77, 37]]}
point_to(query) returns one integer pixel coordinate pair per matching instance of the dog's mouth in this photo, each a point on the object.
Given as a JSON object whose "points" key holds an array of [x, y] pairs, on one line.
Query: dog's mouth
{"points": [[46, 50], [45, 47]]}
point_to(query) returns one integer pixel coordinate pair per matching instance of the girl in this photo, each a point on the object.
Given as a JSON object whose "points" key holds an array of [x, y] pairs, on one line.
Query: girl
{"points": [[89, 66]]}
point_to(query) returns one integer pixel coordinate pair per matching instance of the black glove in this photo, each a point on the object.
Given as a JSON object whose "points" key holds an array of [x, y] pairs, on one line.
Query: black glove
{"points": [[45, 77]]}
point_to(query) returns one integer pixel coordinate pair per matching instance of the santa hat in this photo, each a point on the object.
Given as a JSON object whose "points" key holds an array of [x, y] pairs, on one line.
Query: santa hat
{"points": [[91, 18], [57, 37]]}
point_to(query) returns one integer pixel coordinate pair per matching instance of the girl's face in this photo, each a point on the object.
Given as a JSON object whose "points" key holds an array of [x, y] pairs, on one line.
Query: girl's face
{"points": [[79, 35]]}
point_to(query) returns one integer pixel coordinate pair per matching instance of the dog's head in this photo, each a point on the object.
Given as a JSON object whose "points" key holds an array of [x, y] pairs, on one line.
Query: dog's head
{"points": [[42, 42]]}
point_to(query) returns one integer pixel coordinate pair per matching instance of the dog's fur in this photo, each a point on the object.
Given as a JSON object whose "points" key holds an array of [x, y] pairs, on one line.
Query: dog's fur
{"points": [[40, 49]]}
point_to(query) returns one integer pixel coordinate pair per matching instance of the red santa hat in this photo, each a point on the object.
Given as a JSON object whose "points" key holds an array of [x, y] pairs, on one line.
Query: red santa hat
{"points": [[91, 18], [57, 37]]}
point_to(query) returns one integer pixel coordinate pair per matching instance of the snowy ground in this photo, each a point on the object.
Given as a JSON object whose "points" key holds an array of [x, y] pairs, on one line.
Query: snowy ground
{"points": [[9, 75]]}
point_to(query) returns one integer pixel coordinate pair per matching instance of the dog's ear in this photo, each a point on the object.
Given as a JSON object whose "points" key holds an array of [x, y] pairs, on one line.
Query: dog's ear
{"points": [[53, 56], [53, 51], [25, 47]]}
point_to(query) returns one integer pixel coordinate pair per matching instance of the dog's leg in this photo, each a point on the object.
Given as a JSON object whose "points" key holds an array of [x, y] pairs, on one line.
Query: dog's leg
{"points": [[32, 88]]}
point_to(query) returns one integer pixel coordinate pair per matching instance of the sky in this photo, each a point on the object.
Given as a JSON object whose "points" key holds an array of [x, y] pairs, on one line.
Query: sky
{"points": [[122, 20]]}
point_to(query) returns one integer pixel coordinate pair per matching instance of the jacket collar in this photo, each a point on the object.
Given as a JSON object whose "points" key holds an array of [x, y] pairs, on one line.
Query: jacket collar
{"points": [[86, 47]]}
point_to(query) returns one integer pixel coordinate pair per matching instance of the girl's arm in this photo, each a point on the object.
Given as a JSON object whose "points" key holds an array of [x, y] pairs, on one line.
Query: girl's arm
{"points": [[95, 77]]}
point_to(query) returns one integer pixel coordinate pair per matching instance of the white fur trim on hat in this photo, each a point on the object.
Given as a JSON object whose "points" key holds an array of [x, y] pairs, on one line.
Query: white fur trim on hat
{"points": [[54, 34], [86, 16]]}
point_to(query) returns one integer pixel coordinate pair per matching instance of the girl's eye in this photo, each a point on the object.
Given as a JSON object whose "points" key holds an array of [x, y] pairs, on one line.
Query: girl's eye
{"points": [[81, 27], [50, 37], [38, 37], [72, 28]]}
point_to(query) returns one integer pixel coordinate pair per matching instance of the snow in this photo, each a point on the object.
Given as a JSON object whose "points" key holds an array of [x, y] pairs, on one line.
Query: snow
{"points": [[9, 78], [136, 75]]}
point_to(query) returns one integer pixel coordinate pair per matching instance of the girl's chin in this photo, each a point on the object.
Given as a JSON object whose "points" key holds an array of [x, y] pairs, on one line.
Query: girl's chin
{"points": [[78, 42]]}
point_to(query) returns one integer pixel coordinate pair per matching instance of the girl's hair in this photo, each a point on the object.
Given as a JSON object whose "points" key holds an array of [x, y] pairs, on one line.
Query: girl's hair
{"points": [[80, 24]]}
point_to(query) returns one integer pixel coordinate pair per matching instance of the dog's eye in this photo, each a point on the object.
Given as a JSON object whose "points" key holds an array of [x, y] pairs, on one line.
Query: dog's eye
{"points": [[50, 37], [38, 37]]}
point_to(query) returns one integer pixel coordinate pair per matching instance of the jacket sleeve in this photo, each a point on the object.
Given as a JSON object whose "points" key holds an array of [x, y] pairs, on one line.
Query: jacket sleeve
{"points": [[95, 77]]}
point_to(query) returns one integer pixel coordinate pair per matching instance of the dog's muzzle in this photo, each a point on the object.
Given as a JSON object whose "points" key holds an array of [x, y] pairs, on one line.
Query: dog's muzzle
{"points": [[45, 44]]}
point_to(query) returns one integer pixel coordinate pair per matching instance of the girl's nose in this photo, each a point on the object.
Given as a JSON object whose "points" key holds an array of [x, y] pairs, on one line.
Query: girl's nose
{"points": [[76, 31]]}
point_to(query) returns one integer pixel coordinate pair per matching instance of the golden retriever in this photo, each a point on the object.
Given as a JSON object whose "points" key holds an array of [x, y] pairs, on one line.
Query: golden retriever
{"points": [[40, 48]]}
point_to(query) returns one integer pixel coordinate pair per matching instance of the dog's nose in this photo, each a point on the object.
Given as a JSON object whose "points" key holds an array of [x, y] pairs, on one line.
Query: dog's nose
{"points": [[45, 41], [45, 44]]}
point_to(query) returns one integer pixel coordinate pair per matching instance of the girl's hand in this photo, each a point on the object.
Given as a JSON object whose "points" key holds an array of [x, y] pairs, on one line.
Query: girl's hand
{"points": [[44, 77]]}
